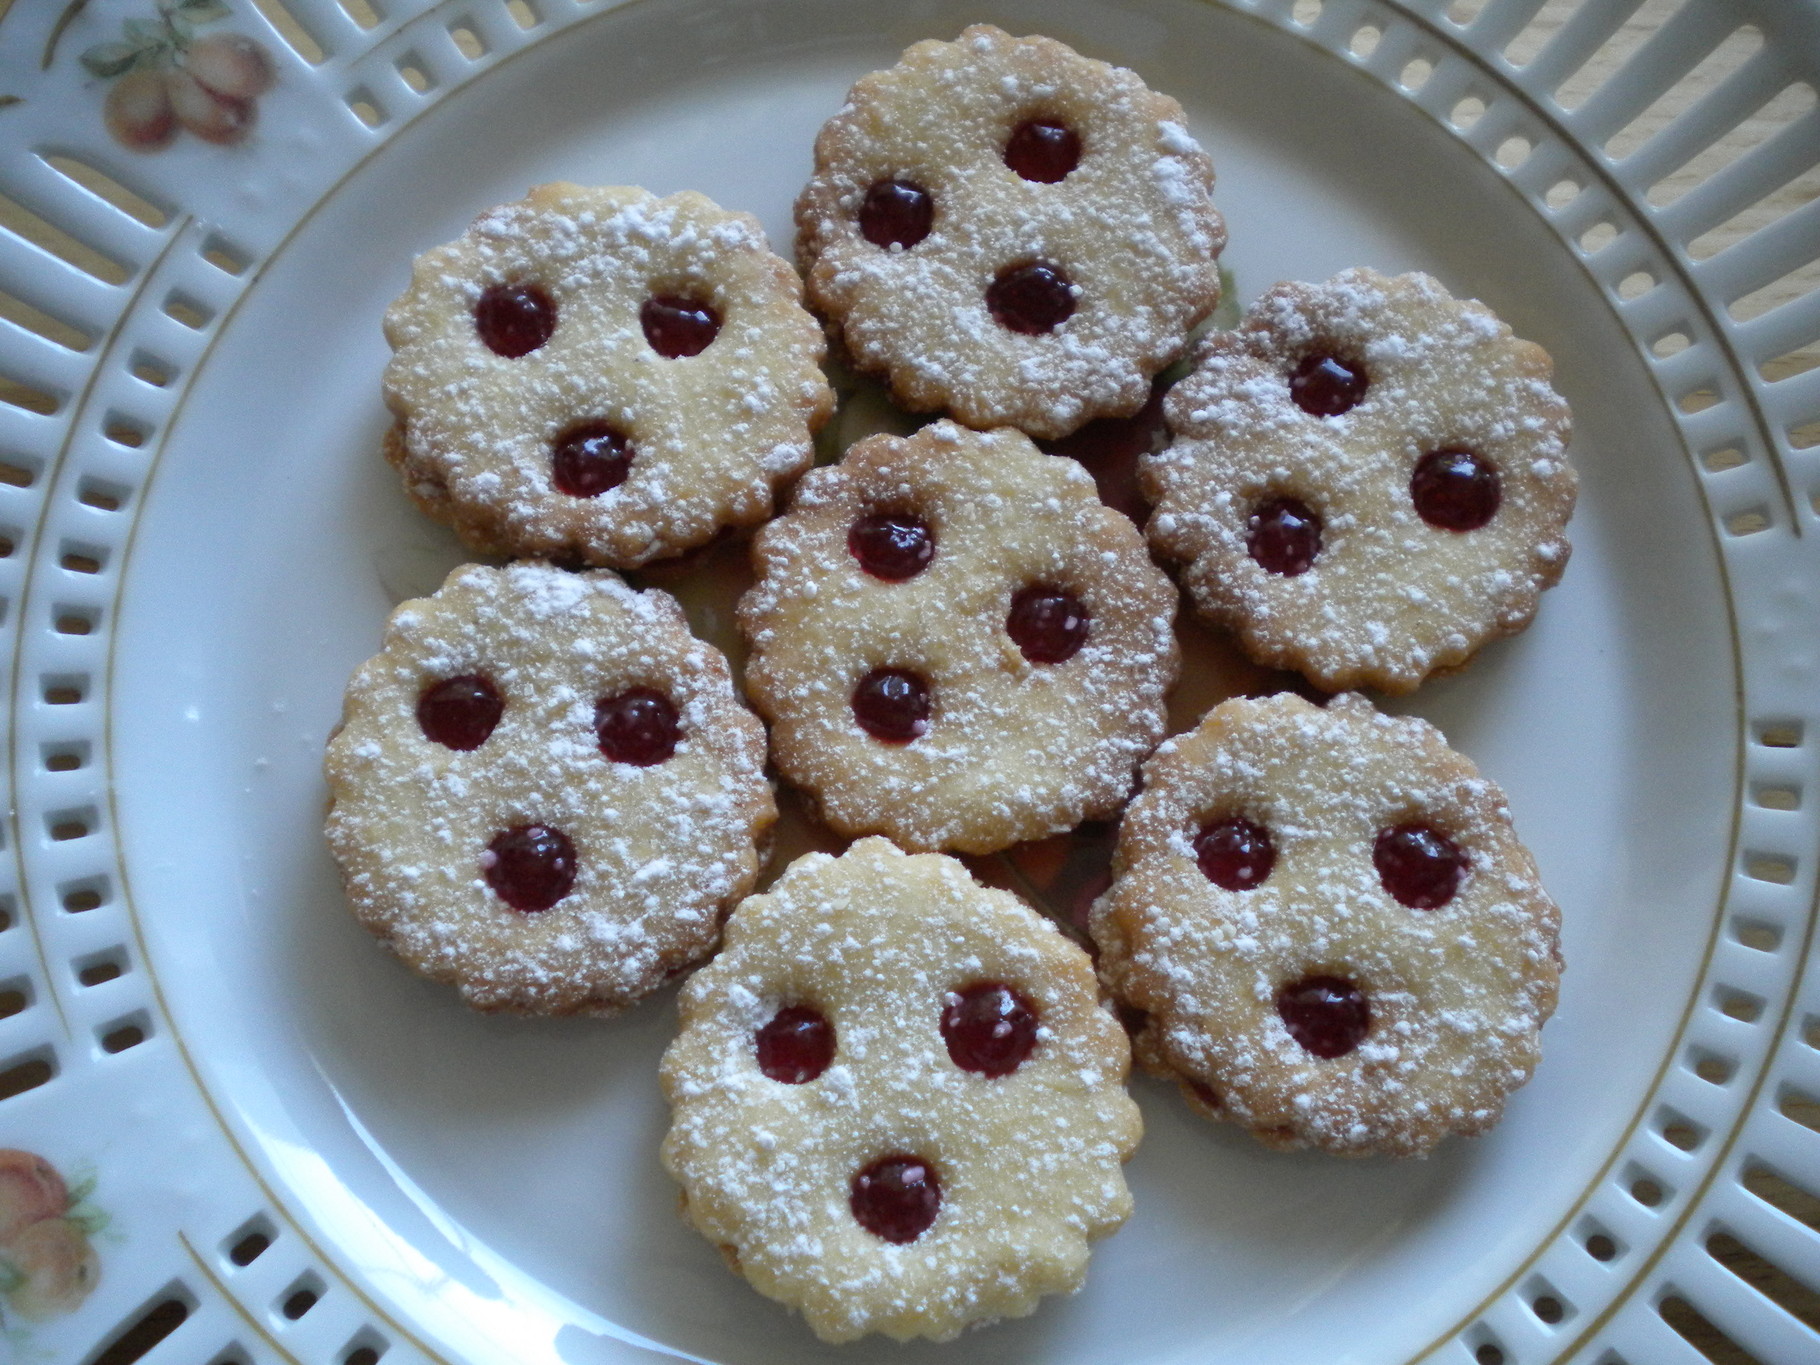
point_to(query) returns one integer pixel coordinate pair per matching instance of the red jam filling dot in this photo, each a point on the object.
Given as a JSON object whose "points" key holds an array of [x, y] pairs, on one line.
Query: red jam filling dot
{"points": [[1043, 150], [514, 319], [1031, 299], [1284, 536], [1418, 865], [892, 545], [989, 1028], [896, 1198], [639, 726], [530, 867], [1327, 1015], [1455, 490], [796, 1046], [896, 213], [678, 327], [1326, 386], [1048, 625], [892, 704], [459, 713], [589, 458], [1234, 853]]}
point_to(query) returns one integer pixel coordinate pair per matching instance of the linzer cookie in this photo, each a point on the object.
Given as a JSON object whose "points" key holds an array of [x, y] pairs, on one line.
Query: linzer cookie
{"points": [[1368, 480], [1332, 931], [602, 375], [1007, 230], [897, 1103], [544, 791], [958, 645]]}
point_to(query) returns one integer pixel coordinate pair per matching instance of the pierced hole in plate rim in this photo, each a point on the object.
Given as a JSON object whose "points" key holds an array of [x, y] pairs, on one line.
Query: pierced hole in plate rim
{"points": [[412, 72], [109, 190], [365, 107], [301, 1297], [78, 898], [468, 40], [1756, 935], [52, 328], [1718, 461], [1599, 236], [69, 249], [1700, 1333], [100, 968], [250, 1242], [102, 494], [1711, 1067], [1777, 797], [148, 1325], [1739, 1005], [1803, 1108], [296, 37], [28, 1072], [1415, 74], [1781, 1193], [125, 1034]]}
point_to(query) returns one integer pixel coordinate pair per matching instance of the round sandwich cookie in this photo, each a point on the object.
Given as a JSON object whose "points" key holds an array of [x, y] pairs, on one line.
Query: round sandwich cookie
{"points": [[957, 644], [544, 792], [1329, 928], [1368, 480], [1011, 232], [600, 375], [898, 1105]]}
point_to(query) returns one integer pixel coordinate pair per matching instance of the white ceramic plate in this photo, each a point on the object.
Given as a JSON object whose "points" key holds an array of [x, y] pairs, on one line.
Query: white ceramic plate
{"points": [[200, 562]]}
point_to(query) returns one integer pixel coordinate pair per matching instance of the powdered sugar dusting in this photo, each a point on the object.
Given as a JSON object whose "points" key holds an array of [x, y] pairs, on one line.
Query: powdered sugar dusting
{"points": [[1132, 227], [1390, 598], [1029, 1163], [1457, 995], [1015, 750], [661, 850], [711, 433]]}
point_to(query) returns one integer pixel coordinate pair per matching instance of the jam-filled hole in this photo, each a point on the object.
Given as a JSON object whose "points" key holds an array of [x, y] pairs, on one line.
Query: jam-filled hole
{"points": [[989, 1027], [893, 546], [1284, 536], [514, 318], [896, 1198], [1048, 624], [1455, 490], [679, 325], [1043, 150], [589, 458], [896, 213], [529, 867], [460, 713], [1324, 384], [1234, 853], [893, 704], [796, 1045], [639, 726], [1031, 299], [1328, 1016], [1418, 864]]}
